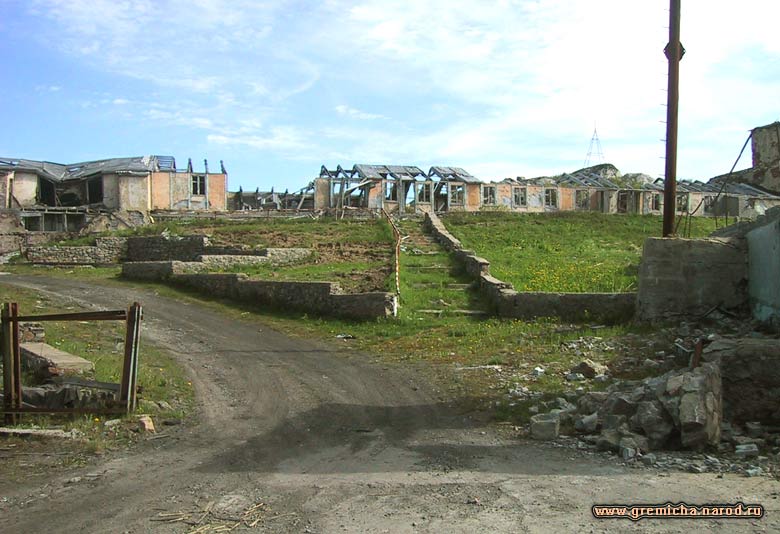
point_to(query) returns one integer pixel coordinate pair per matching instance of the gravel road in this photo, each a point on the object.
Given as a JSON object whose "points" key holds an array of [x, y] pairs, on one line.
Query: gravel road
{"points": [[335, 442]]}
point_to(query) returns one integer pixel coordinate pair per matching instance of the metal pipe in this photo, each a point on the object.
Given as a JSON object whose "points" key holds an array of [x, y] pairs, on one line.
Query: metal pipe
{"points": [[674, 52]]}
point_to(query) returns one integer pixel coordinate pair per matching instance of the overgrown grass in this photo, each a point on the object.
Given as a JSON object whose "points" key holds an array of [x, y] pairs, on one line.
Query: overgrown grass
{"points": [[563, 252]]}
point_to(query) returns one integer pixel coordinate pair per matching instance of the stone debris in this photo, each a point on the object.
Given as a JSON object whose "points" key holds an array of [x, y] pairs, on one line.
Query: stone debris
{"points": [[747, 450], [575, 377], [680, 408], [590, 369], [145, 424], [538, 371]]}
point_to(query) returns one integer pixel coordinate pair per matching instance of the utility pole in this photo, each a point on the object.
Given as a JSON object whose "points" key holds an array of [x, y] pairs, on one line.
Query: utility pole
{"points": [[674, 52]]}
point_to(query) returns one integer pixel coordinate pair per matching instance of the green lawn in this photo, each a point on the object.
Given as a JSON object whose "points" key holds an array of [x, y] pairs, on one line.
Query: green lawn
{"points": [[563, 252]]}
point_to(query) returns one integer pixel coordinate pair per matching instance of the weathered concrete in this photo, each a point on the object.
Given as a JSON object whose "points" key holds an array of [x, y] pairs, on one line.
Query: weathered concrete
{"points": [[688, 277], [45, 360], [321, 298], [764, 272]]}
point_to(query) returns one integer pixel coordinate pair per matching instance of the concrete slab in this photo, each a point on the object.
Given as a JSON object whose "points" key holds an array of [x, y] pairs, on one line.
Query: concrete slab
{"points": [[42, 357]]}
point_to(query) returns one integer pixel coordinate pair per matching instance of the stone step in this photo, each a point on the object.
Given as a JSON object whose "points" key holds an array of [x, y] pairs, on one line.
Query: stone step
{"points": [[471, 313], [46, 360], [445, 287]]}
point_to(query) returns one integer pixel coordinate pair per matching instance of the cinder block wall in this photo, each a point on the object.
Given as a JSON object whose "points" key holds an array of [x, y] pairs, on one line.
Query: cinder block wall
{"points": [[689, 277]]}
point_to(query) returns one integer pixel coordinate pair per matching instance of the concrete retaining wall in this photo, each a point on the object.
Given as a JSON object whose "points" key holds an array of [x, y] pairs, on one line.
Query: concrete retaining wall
{"points": [[764, 273], [271, 256], [321, 298], [602, 307], [688, 277], [107, 250]]}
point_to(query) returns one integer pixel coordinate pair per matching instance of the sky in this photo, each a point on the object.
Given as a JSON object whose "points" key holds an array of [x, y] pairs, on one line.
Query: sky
{"points": [[277, 89]]}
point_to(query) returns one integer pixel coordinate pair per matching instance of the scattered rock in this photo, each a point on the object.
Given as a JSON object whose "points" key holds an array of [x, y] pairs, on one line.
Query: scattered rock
{"points": [[587, 424], [575, 377], [145, 423], [537, 372], [111, 423], [747, 450], [649, 459], [754, 429], [589, 369]]}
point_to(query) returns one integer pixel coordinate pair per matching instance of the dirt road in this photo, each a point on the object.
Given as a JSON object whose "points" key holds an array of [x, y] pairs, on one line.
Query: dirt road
{"points": [[333, 442]]}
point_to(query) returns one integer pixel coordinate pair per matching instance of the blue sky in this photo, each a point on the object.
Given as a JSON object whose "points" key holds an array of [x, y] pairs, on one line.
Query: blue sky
{"points": [[277, 89]]}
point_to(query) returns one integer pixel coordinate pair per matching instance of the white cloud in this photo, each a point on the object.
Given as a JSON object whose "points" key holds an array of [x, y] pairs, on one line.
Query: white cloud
{"points": [[343, 109]]}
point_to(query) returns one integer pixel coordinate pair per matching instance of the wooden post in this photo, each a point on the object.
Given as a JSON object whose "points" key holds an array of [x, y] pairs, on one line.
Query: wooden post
{"points": [[12, 372], [128, 386]]}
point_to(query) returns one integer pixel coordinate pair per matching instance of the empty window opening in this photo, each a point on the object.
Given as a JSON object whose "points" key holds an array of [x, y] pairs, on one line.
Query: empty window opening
{"points": [[95, 190], [456, 194], [519, 196], [709, 205], [488, 195], [582, 199], [46, 193], [391, 191], [682, 202], [551, 198], [198, 184], [424, 193], [657, 204]]}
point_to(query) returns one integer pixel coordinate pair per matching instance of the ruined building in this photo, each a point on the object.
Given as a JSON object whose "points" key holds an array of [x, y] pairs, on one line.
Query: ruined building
{"points": [[53, 196], [765, 172], [408, 189]]}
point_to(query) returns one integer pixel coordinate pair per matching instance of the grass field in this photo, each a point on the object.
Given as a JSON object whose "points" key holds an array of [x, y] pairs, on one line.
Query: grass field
{"points": [[563, 252]]}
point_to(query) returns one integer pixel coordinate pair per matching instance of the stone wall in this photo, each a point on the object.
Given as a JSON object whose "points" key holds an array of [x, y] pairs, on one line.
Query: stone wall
{"points": [[689, 277], [271, 256], [603, 307], [321, 298], [107, 250], [166, 248]]}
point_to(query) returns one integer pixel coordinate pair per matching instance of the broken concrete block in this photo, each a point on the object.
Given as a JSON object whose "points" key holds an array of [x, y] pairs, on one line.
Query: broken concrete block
{"points": [[48, 361], [589, 368], [145, 424], [545, 426]]}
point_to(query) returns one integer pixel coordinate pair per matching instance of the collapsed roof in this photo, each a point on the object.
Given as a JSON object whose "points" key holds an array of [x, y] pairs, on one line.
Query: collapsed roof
{"points": [[58, 172], [398, 172]]}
